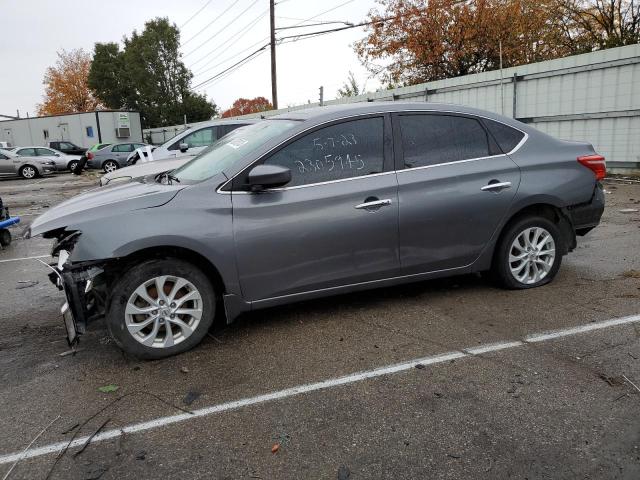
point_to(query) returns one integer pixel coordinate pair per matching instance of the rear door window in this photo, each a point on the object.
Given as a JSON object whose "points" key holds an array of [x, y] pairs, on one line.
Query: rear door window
{"points": [[45, 152], [27, 152], [431, 139], [340, 151]]}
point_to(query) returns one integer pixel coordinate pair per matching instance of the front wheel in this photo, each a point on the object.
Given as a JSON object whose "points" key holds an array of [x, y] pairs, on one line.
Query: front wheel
{"points": [[28, 172], [110, 166], [529, 253], [161, 308], [73, 164]]}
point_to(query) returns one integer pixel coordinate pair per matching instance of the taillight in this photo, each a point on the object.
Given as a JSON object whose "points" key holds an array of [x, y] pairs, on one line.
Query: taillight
{"points": [[595, 163], [89, 156]]}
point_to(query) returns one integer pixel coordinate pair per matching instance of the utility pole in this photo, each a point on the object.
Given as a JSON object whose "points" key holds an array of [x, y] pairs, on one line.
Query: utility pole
{"points": [[322, 96], [274, 82]]}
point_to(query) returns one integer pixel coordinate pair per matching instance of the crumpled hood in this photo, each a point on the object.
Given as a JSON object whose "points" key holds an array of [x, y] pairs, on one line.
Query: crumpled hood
{"points": [[103, 202]]}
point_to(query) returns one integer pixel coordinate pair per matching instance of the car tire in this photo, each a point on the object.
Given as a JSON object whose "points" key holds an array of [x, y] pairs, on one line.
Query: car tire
{"points": [[28, 172], [138, 316], [110, 166], [73, 164], [5, 237], [528, 254]]}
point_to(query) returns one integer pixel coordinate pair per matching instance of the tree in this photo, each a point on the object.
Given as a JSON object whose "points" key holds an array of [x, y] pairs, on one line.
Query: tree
{"points": [[601, 24], [350, 88], [66, 87], [424, 40], [148, 75], [243, 106]]}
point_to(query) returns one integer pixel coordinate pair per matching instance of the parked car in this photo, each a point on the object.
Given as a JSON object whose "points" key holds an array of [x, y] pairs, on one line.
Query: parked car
{"points": [[143, 169], [97, 146], [67, 147], [195, 139], [12, 165], [112, 157], [319, 202], [61, 160]]}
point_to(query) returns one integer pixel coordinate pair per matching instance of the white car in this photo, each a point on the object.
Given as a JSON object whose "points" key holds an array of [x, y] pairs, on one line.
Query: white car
{"points": [[61, 160], [197, 138], [143, 169]]}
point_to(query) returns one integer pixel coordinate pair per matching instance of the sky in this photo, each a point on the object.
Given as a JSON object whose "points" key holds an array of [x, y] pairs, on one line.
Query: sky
{"points": [[214, 39]]}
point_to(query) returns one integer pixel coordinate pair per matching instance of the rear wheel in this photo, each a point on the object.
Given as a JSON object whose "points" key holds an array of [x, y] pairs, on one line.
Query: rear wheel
{"points": [[110, 166], [160, 308], [529, 253], [28, 172]]}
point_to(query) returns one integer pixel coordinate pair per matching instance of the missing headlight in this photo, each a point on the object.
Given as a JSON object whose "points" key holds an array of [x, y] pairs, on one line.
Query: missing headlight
{"points": [[65, 240]]}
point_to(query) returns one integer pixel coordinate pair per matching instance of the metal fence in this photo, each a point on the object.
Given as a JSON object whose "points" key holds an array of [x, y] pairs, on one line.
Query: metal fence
{"points": [[594, 97]]}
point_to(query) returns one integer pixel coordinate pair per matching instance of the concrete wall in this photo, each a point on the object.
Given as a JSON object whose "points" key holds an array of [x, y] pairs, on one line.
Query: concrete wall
{"points": [[72, 127], [593, 97]]}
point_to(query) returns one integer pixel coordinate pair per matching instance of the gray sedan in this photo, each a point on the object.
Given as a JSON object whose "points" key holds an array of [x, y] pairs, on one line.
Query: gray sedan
{"points": [[12, 165], [320, 202], [112, 157], [61, 160]]}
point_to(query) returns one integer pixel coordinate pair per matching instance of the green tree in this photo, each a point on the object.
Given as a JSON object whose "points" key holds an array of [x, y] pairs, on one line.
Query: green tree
{"points": [[148, 75], [350, 88]]}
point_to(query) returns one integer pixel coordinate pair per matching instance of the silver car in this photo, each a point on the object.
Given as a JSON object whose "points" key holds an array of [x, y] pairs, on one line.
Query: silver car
{"points": [[320, 202], [61, 160], [112, 157], [12, 165]]}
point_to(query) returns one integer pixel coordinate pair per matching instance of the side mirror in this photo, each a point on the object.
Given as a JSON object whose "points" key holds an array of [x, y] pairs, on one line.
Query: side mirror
{"points": [[184, 147], [268, 176]]}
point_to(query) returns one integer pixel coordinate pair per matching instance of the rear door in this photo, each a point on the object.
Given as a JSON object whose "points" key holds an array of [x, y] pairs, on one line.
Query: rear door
{"points": [[455, 185], [336, 223], [7, 166]]}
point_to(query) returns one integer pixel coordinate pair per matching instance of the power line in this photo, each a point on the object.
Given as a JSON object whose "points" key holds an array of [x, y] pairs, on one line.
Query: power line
{"points": [[248, 57], [314, 25], [231, 57], [210, 23], [222, 29], [236, 36], [194, 15]]}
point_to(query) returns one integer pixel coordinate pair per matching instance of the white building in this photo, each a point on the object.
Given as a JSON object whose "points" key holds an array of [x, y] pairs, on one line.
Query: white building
{"points": [[83, 129]]}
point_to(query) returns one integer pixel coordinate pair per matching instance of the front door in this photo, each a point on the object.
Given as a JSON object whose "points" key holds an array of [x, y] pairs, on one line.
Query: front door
{"points": [[334, 224], [63, 129], [454, 185]]}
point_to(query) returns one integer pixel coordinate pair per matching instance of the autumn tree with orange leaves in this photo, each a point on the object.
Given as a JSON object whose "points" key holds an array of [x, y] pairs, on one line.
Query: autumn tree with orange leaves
{"points": [[414, 41], [66, 88], [243, 106]]}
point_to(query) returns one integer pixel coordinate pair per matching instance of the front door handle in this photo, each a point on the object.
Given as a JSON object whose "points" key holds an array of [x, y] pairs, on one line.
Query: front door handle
{"points": [[496, 186], [373, 204]]}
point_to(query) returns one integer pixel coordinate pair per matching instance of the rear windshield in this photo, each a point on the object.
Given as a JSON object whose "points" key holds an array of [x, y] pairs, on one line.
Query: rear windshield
{"points": [[231, 148]]}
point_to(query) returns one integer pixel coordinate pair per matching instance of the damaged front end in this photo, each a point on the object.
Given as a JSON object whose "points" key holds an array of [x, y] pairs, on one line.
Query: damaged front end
{"points": [[83, 284]]}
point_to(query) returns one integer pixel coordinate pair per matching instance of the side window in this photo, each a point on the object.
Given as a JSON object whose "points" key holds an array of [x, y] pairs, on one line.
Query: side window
{"points": [[433, 139], [3, 157], [27, 152], [506, 136], [200, 138], [345, 150], [224, 129], [42, 152]]}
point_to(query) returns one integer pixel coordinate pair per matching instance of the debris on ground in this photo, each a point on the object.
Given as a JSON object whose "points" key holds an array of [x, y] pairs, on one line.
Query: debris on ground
{"points": [[26, 284], [631, 274], [86, 444], [69, 352], [70, 429], [628, 210], [275, 448], [96, 473], [632, 384], [108, 388], [191, 397], [184, 369], [343, 473], [141, 455], [420, 366], [612, 381]]}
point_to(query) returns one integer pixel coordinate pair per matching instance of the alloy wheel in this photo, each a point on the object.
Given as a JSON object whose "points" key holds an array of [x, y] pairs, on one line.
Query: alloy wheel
{"points": [[163, 311], [532, 255], [110, 166], [28, 172]]}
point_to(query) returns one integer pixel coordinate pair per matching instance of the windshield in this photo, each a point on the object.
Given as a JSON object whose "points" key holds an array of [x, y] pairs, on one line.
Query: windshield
{"points": [[230, 148]]}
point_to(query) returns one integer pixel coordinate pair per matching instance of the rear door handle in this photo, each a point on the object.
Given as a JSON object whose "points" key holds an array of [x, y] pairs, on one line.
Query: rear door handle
{"points": [[496, 186], [373, 204]]}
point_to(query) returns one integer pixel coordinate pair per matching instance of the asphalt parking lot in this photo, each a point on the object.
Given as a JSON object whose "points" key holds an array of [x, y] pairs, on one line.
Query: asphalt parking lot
{"points": [[439, 379]]}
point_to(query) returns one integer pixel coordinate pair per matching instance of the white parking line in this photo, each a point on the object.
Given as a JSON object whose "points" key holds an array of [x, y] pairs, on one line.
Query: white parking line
{"points": [[312, 387], [24, 258]]}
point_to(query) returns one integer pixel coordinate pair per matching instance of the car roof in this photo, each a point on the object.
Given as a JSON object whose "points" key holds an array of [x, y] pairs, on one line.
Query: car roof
{"points": [[336, 112]]}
